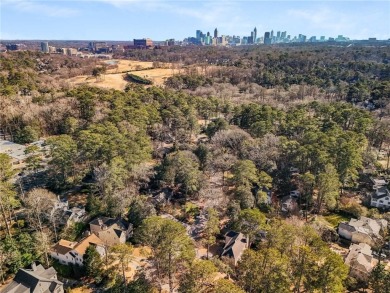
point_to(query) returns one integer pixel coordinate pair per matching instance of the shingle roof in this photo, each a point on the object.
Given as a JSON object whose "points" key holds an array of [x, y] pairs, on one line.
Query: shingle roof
{"points": [[82, 246], [63, 246], [235, 244], [117, 223], [360, 257], [26, 281]]}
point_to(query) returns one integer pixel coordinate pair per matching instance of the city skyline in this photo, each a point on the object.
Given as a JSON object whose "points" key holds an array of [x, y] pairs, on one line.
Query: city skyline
{"points": [[126, 19]]}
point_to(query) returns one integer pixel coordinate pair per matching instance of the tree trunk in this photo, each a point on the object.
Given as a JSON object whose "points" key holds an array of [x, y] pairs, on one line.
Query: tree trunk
{"points": [[2, 210], [170, 281]]}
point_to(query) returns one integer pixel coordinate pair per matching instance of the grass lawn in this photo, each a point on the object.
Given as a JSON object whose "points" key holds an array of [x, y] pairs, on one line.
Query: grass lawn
{"points": [[335, 219]]}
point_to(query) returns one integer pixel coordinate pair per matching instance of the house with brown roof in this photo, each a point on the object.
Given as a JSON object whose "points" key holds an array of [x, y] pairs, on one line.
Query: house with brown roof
{"points": [[360, 260], [235, 244], [67, 252], [35, 280], [111, 231]]}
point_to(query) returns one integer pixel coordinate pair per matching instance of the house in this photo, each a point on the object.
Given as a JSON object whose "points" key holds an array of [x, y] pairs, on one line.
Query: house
{"points": [[364, 230], [67, 215], [235, 244], [111, 231], [59, 206], [289, 204], [67, 252], [380, 197], [378, 182], [36, 280], [360, 260], [268, 195], [74, 215]]}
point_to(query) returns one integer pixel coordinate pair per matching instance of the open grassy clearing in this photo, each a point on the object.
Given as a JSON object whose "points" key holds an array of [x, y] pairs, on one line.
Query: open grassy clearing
{"points": [[335, 219], [114, 78]]}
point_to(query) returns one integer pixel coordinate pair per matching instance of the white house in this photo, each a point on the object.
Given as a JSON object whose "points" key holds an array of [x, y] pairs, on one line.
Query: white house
{"points": [[67, 252], [380, 198]]}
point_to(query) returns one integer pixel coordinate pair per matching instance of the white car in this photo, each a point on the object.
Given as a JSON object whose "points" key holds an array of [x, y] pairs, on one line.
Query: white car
{"points": [[295, 194]]}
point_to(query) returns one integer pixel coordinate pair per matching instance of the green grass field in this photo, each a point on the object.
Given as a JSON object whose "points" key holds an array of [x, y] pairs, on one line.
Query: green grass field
{"points": [[335, 219]]}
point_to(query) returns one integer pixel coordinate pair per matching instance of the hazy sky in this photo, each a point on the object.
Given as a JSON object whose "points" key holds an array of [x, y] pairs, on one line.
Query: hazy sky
{"points": [[160, 20]]}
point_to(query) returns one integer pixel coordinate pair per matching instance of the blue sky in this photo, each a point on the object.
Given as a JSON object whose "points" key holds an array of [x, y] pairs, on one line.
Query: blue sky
{"points": [[160, 19]]}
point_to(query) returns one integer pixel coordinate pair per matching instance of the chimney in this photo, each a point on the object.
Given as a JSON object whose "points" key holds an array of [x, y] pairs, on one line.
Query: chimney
{"points": [[33, 266], [100, 221]]}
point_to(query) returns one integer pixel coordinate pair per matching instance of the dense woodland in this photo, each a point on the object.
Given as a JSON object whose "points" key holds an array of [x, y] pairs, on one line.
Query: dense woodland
{"points": [[213, 140]]}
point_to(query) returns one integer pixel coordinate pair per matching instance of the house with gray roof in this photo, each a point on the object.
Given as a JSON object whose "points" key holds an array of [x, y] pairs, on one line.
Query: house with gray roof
{"points": [[380, 198], [235, 245], [364, 230], [111, 231], [360, 261], [36, 280]]}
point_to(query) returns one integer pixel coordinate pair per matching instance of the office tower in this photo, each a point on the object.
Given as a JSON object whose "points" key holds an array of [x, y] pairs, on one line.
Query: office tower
{"points": [[322, 38], [143, 42], [215, 33], [198, 35], [45, 47], [267, 38], [208, 34], [278, 35], [284, 35], [255, 35], [272, 34]]}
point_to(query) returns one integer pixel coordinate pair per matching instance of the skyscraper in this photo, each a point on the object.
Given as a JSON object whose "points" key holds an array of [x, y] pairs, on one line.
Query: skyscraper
{"points": [[255, 35], [267, 38], [215, 33], [272, 34], [198, 35], [45, 47]]}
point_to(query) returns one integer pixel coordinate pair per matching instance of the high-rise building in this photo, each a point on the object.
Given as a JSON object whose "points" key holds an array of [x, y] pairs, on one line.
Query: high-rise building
{"points": [[198, 35], [255, 35], [215, 33], [267, 38], [45, 47], [278, 35], [284, 35], [272, 34]]}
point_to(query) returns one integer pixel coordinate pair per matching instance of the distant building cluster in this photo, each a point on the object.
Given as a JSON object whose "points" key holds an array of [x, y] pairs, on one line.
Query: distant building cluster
{"points": [[269, 38], [94, 49]]}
